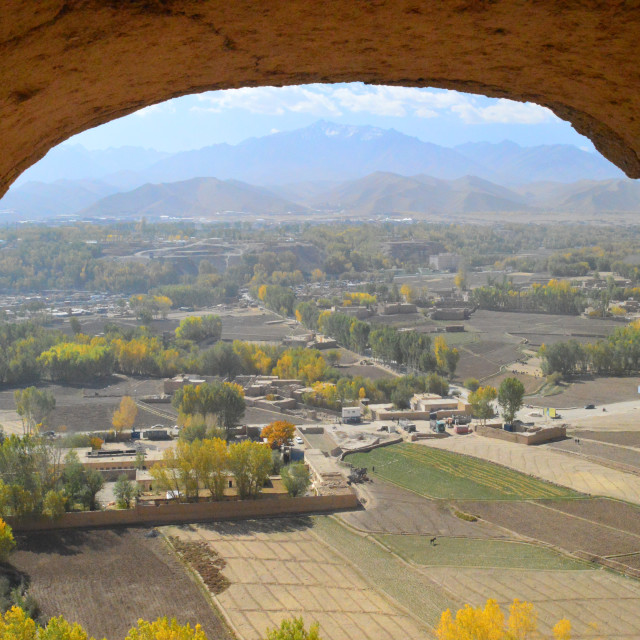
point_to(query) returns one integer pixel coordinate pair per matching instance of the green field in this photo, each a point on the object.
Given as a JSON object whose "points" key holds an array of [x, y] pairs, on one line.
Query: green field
{"points": [[466, 552], [442, 474]]}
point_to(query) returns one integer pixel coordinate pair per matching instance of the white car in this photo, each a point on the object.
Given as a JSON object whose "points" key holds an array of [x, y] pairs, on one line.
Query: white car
{"points": [[299, 440]]}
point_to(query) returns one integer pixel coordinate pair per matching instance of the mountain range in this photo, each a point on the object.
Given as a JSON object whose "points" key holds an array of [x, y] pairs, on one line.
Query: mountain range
{"points": [[357, 169]]}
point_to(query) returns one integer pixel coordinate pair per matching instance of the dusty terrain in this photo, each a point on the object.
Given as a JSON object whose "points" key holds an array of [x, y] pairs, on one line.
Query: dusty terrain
{"points": [[107, 579], [598, 391]]}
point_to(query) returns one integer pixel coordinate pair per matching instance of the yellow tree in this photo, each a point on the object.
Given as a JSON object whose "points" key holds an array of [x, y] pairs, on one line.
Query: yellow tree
{"points": [[489, 623], [461, 278], [481, 402], [440, 349], [125, 416], [562, 630], [165, 629], [407, 292], [278, 433], [7, 542]]}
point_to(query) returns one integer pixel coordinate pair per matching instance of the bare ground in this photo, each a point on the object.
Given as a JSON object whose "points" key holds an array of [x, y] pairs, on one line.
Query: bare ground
{"points": [[107, 579], [591, 391]]}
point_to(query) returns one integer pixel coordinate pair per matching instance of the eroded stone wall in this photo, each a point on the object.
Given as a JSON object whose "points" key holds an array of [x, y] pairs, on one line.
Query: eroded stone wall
{"points": [[69, 65]]}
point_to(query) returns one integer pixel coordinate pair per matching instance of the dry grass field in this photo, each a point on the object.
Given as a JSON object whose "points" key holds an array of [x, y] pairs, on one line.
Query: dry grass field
{"points": [[278, 569], [107, 579], [599, 604]]}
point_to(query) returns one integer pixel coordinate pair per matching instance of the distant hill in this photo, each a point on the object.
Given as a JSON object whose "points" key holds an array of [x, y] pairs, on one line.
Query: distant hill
{"points": [[41, 200], [381, 193], [324, 151], [196, 198], [74, 162], [314, 166], [510, 164]]}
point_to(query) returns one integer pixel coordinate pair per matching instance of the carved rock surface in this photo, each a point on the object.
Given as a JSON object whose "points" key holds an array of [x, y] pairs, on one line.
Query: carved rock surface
{"points": [[69, 65]]}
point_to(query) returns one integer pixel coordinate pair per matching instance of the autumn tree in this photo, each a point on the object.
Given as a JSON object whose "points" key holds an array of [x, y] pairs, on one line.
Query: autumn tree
{"points": [[278, 433], [407, 292], [125, 416], [165, 629], [510, 395], [250, 463], [7, 541], [461, 278], [482, 623], [481, 401], [294, 629], [446, 357]]}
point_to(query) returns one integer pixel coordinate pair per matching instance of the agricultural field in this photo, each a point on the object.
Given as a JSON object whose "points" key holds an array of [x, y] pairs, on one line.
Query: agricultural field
{"points": [[390, 509], [107, 579], [624, 438], [594, 531], [576, 472], [280, 568], [620, 457], [91, 407], [442, 474], [469, 552], [588, 390], [599, 604]]}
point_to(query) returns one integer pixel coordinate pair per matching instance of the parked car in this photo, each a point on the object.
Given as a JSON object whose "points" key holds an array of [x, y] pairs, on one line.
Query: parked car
{"points": [[299, 440], [590, 406]]}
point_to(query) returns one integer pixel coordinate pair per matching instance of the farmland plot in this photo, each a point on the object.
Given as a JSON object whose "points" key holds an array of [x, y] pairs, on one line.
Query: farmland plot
{"points": [[441, 474], [107, 579]]}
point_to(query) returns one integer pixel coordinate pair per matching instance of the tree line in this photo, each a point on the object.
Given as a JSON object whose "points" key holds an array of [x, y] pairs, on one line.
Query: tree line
{"points": [[409, 348], [617, 355], [557, 296]]}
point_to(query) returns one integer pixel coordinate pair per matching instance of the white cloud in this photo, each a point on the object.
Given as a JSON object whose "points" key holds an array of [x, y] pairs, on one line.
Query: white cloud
{"points": [[269, 101], [335, 100], [504, 112]]}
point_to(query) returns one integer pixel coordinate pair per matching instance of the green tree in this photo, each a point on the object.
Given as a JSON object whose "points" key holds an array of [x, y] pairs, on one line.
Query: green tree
{"points": [[33, 406], [295, 478], [125, 491], [510, 395], [471, 383]]}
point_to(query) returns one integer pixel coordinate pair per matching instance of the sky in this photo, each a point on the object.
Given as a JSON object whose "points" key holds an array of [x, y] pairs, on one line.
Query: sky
{"points": [[440, 116]]}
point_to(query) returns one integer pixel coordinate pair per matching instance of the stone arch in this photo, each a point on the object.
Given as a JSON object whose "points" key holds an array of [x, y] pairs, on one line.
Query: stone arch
{"points": [[69, 65]]}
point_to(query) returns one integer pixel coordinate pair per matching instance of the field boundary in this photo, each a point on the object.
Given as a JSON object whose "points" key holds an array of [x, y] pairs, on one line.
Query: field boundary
{"points": [[197, 512], [370, 447]]}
